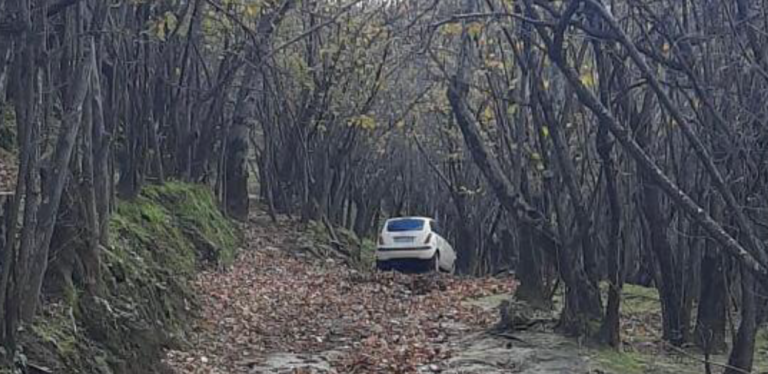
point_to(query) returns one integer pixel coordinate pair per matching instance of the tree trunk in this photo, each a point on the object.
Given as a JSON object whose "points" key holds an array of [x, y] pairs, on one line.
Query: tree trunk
{"points": [[89, 254], [669, 289], [742, 353], [101, 156], [236, 171], [71, 122], [529, 268], [646, 164], [709, 333], [582, 303], [610, 331]]}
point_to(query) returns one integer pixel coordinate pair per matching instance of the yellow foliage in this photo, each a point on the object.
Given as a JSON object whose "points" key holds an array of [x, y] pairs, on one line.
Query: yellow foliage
{"points": [[364, 122], [474, 29], [488, 115], [587, 79], [545, 131], [159, 29], [160, 26], [495, 64], [451, 29], [170, 20], [512, 109], [252, 9]]}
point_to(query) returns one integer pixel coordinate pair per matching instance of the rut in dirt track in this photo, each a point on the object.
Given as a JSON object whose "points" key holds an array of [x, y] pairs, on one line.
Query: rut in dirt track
{"points": [[279, 308]]}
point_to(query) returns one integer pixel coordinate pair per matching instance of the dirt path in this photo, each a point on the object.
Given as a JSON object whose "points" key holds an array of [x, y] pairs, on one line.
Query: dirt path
{"points": [[280, 311]]}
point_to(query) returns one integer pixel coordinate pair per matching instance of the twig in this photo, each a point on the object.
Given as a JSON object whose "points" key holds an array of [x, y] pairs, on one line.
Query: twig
{"points": [[472, 16]]}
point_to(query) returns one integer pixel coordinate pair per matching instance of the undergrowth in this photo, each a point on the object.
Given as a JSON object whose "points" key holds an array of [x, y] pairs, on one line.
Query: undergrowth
{"points": [[158, 241]]}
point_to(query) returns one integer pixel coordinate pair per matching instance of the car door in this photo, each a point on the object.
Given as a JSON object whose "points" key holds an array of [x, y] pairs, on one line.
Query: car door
{"points": [[450, 254]]}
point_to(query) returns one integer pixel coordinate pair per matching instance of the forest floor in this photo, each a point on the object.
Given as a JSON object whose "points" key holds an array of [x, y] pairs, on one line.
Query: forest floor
{"points": [[280, 309]]}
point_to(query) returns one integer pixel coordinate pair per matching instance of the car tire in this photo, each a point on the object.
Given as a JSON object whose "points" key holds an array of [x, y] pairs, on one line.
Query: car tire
{"points": [[435, 263]]}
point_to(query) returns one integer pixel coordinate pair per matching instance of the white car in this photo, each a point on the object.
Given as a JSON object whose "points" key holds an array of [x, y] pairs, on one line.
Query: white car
{"points": [[414, 240]]}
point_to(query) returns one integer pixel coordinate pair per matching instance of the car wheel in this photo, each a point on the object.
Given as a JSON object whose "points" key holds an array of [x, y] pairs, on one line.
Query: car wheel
{"points": [[436, 262]]}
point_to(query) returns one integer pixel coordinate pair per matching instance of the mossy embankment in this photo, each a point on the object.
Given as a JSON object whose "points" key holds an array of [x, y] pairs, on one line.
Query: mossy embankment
{"points": [[325, 240], [158, 241]]}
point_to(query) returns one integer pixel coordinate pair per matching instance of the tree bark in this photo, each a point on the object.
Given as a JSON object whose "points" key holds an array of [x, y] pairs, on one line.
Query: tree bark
{"points": [[610, 331], [709, 333], [71, 123], [742, 353], [581, 303]]}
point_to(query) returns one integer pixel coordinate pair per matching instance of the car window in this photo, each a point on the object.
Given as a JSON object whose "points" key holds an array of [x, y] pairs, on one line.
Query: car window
{"points": [[436, 228], [405, 224]]}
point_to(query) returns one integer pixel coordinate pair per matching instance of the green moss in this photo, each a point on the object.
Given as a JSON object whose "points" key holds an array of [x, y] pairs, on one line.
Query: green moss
{"points": [[198, 216], [368, 253], [761, 351], [158, 240], [71, 296], [58, 330], [54, 340], [160, 236], [640, 300], [147, 227], [612, 361], [362, 252]]}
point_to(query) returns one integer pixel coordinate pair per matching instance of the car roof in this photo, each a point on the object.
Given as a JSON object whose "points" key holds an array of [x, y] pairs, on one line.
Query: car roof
{"points": [[410, 217]]}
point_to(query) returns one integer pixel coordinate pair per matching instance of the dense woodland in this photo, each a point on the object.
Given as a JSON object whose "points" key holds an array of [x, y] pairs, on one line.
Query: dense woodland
{"points": [[577, 142]]}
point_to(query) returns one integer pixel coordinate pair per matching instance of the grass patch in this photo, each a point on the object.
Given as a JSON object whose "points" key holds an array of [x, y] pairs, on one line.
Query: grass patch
{"points": [[612, 361], [629, 361], [638, 299], [761, 350]]}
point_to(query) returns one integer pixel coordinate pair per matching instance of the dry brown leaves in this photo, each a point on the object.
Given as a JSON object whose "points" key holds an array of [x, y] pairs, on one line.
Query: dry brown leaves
{"points": [[275, 301]]}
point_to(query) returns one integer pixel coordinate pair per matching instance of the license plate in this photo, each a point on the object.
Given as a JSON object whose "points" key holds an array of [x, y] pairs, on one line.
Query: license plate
{"points": [[404, 239]]}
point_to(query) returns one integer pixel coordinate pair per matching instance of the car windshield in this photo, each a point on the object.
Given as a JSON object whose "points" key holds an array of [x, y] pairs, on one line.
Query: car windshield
{"points": [[405, 224]]}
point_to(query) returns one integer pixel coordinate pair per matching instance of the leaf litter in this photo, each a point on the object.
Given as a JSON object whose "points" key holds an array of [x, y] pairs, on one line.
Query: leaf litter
{"points": [[277, 300]]}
